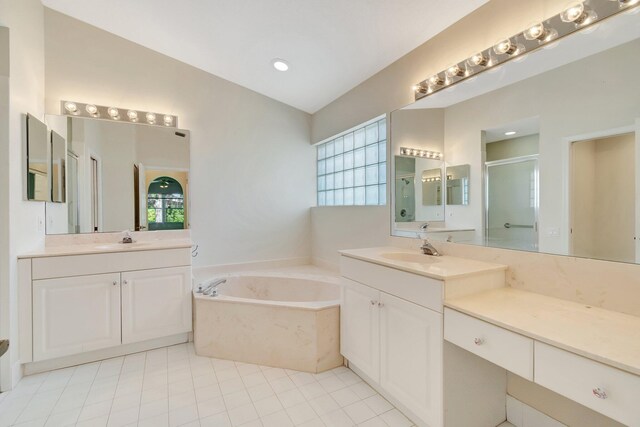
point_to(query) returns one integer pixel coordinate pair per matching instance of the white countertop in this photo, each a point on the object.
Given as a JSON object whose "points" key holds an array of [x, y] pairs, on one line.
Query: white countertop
{"points": [[441, 268], [606, 336], [94, 248]]}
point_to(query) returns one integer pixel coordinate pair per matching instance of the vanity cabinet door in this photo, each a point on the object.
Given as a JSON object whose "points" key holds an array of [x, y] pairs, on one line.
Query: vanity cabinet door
{"points": [[411, 356], [155, 303], [75, 314], [359, 327]]}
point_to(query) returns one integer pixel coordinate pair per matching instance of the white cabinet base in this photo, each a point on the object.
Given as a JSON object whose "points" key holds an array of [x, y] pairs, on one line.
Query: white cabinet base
{"points": [[107, 353]]}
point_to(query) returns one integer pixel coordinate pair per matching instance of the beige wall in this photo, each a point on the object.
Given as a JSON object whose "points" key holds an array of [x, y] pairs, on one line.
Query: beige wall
{"points": [[603, 198], [21, 219], [515, 147], [251, 177]]}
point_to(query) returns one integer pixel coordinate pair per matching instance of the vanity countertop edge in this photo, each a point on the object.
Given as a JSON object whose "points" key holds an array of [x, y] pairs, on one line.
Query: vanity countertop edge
{"points": [[440, 268], [98, 248], [606, 336]]}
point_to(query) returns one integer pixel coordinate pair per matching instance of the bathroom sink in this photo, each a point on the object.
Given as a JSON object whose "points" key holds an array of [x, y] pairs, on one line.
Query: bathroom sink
{"points": [[112, 246], [402, 256]]}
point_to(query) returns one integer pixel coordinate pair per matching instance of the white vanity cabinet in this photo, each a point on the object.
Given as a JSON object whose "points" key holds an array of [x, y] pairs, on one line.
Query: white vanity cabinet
{"points": [[155, 303], [76, 308], [397, 344], [75, 314]]}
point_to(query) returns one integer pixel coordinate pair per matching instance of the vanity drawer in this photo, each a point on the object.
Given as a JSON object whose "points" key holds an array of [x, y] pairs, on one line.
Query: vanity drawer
{"points": [[112, 262], [582, 380], [418, 289], [507, 349]]}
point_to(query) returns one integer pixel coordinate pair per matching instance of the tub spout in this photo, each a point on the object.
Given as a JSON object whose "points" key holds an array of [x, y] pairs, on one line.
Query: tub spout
{"points": [[211, 288]]}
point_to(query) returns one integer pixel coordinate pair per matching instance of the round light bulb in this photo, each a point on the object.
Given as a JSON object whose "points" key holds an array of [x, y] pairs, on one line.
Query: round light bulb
{"points": [[113, 113], [151, 118], [455, 71], [71, 107], [133, 115], [168, 120], [505, 47], [627, 3], [478, 59], [572, 13], [534, 32], [91, 109], [280, 64], [436, 80]]}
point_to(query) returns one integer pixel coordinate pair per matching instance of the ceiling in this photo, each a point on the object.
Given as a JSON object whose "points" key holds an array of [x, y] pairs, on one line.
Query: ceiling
{"points": [[331, 45]]}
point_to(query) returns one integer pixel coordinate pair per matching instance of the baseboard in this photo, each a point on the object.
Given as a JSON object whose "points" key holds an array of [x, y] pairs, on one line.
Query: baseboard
{"points": [[16, 374], [520, 415], [203, 273], [107, 353]]}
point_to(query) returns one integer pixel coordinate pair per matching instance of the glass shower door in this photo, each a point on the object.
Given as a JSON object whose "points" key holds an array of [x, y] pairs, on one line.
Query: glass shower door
{"points": [[512, 203]]}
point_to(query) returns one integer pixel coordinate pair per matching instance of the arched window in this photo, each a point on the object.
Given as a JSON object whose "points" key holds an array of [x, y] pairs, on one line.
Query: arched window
{"points": [[165, 204]]}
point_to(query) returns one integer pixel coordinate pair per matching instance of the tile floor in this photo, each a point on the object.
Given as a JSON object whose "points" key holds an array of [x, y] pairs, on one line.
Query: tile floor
{"points": [[174, 387]]}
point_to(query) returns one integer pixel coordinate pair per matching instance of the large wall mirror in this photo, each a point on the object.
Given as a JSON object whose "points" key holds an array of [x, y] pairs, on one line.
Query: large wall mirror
{"points": [[119, 176], [540, 154]]}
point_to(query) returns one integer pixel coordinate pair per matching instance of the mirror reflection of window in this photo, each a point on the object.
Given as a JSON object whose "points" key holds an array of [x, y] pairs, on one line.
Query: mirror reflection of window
{"points": [[165, 204]]}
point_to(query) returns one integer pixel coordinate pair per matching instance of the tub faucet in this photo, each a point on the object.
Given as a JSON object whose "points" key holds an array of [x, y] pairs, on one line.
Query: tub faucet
{"points": [[427, 248], [211, 288]]}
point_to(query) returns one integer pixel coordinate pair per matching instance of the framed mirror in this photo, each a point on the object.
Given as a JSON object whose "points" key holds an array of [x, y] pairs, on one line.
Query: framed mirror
{"points": [[121, 176], [58, 168], [543, 153], [37, 184]]}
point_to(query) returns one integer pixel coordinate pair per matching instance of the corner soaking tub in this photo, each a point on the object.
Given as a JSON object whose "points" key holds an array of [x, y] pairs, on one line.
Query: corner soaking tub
{"points": [[282, 320]]}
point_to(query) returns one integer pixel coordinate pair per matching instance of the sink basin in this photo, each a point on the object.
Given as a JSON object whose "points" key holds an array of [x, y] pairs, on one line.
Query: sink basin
{"points": [[402, 256], [111, 246]]}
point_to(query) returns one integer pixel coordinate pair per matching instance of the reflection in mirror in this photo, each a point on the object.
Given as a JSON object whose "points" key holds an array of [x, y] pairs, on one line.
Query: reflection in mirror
{"points": [[417, 189], [551, 147], [123, 176], [37, 150], [458, 185], [58, 168]]}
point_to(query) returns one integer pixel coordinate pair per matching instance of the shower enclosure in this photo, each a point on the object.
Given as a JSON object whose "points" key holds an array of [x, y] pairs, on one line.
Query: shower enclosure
{"points": [[511, 203]]}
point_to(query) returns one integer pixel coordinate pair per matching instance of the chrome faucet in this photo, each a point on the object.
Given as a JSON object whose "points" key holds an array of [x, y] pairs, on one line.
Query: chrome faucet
{"points": [[427, 248], [126, 237], [211, 288]]}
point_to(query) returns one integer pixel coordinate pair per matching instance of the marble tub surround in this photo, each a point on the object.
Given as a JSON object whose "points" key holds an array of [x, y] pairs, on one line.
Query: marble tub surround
{"points": [[278, 319], [606, 336], [413, 261]]}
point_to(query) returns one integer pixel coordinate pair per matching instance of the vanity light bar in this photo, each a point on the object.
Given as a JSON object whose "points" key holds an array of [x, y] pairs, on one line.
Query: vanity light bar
{"points": [[576, 17], [415, 152], [79, 109]]}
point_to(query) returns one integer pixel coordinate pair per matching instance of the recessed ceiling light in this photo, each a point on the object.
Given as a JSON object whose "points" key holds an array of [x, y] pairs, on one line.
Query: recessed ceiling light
{"points": [[511, 132], [280, 64]]}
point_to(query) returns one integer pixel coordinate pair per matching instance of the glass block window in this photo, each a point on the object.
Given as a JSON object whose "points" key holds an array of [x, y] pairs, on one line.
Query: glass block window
{"points": [[352, 167]]}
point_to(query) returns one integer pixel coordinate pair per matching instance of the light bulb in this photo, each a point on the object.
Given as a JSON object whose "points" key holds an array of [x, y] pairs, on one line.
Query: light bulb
{"points": [[114, 113], [478, 59], [436, 80], [168, 120], [420, 89], [572, 13], [280, 64], [133, 115], [91, 109], [151, 118], [505, 47], [71, 107], [540, 33], [627, 3], [454, 71]]}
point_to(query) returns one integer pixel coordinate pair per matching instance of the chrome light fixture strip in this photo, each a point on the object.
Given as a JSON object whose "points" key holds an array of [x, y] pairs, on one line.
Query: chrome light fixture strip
{"points": [[577, 17], [423, 154], [126, 115]]}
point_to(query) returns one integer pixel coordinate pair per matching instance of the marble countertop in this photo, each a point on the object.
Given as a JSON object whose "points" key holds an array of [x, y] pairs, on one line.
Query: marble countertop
{"points": [[441, 268], [102, 247], [605, 336]]}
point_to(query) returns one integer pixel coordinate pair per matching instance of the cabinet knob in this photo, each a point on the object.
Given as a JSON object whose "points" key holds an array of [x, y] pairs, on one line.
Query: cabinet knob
{"points": [[115, 283], [373, 302], [380, 304], [124, 282], [599, 393], [478, 341]]}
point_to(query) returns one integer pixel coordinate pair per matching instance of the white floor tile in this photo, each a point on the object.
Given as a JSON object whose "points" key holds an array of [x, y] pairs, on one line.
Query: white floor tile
{"points": [[174, 387]]}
